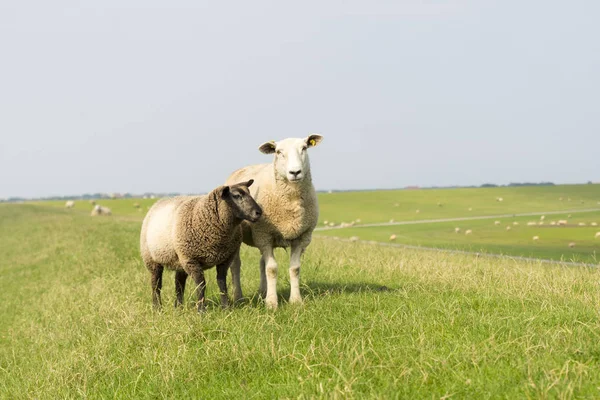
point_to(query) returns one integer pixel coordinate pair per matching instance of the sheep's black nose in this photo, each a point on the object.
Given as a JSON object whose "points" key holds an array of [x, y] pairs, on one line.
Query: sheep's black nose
{"points": [[295, 173]]}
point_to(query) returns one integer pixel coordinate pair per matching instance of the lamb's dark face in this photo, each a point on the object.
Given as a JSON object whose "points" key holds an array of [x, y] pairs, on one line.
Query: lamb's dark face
{"points": [[241, 201]]}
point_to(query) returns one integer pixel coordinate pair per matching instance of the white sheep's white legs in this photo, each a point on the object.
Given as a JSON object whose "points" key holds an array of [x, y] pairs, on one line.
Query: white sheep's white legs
{"points": [[263, 278], [271, 277], [296, 255]]}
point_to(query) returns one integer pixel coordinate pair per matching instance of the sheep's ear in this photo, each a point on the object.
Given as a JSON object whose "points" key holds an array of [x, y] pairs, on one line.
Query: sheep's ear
{"points": [[313, 140], [224, 191], [267, 147], [249, 183]]}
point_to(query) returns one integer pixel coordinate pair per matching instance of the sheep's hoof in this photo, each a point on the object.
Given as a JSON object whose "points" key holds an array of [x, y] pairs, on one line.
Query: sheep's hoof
{"points": [[296, 301], [271, 304]]}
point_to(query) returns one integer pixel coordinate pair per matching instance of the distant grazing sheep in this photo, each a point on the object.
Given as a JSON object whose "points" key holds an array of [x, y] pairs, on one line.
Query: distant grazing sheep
{"points": [[393, 237], [358, 221], [594, 224], [542, 217], [552, 222], [468, 232], [418, 211], [536, 238], [496, 222], [391, 221], [508, 228], [515, 223], [285, 191], [562, 222], [581, 224], [541, 223], [332, 224], [70, 204], [531, 223], [572, 244], [500, 199], [100, 210], [325, 222], [354, 238], [470, 208], [192, 233], [597, 235], [456, 230]]}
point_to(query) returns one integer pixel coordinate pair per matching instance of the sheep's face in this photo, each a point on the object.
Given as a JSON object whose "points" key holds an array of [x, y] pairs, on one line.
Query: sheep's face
{"points": [[291, 156], [241, 202]]}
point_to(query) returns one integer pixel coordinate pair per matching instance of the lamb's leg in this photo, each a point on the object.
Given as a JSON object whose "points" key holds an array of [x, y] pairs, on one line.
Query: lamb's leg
{"points": [[198, 276], [156, 271], [222, 282], [271, 275], [180, 279], [235, 276], [296, 254], [263, 278]]}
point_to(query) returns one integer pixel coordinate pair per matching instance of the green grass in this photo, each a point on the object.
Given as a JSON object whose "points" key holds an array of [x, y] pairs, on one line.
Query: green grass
{"points": [[76, 321], [487, 237], [379, 206]]}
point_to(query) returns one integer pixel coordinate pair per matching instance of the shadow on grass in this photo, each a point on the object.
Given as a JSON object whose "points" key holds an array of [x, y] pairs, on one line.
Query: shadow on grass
{"points": [[308, 290]]}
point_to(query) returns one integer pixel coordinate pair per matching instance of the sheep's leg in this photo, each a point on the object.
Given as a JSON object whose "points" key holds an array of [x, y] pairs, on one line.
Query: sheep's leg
{"points": [[271, 275], [235, 276], [296, 254], [222, 282], [263, 278], [180, 279], [156, 282], [198, 276]]}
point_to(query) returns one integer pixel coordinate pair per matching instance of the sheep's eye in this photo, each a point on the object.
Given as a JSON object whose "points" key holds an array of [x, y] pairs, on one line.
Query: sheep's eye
{"points": [[236, 196]]}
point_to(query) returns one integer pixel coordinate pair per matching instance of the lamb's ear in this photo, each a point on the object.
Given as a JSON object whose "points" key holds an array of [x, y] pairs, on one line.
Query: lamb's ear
{"points": [[267, 147], [224, 191], [249, 183], [313, 140]]}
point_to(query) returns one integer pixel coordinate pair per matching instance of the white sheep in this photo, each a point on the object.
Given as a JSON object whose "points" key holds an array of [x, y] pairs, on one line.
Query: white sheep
{"points": [[552, 223], [100, 210], [456, 230], [572, 244], [542, 217], [508, 228], [393, 237], [541, 223], [597, 235], [531, 223], [468, 232], [562, 222], [69, 204], [535, 238], [392, 221], [325, 222], [593, 223], [285, 191], [358, 221], [354, 238], [515, 223], [500, 199], [470, 208], [496, 222], [418, 211], [581, 224]]}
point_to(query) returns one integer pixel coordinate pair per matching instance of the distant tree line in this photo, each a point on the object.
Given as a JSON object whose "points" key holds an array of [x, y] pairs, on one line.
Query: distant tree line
{"points": [[488, 185]]}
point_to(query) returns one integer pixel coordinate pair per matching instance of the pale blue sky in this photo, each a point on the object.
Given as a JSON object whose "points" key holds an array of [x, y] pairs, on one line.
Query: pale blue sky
{"points": [[135, 96]]}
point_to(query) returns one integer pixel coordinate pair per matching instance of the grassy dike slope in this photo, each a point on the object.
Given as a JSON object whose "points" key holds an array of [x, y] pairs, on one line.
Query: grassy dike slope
{"points": [[76, 321]]}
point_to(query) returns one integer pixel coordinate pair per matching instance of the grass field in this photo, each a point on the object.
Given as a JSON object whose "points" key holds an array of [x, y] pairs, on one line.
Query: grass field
{"points": [[401, 205], [76, 321]]}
